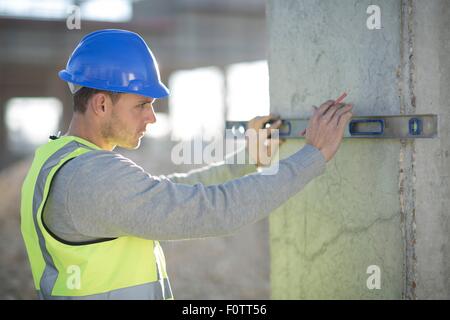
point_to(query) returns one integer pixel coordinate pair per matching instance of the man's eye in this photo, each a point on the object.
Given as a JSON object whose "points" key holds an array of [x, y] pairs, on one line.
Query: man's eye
{"points": [[145, 105]]}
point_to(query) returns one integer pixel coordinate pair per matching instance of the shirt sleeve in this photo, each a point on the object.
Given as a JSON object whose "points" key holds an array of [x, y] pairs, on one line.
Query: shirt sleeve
{"points": [[218, 172], [111, 196]]}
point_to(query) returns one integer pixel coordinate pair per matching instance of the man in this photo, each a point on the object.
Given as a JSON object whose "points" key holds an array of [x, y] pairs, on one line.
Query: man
{"points": [[91, 218]]}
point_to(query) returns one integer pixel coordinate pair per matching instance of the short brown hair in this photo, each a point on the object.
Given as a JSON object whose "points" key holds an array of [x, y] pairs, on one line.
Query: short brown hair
{"points": [[82, 96]]}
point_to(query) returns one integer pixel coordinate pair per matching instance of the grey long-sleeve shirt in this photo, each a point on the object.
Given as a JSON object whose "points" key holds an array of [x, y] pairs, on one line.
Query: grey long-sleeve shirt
{"points": [[102, 194]]}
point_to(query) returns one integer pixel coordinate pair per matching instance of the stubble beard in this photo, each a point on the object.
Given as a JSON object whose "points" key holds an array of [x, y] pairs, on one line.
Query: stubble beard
{"points": [[114, 131]]}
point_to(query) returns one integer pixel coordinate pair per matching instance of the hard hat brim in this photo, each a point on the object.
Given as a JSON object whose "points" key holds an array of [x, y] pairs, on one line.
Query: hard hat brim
{"points": [[155, 91]]}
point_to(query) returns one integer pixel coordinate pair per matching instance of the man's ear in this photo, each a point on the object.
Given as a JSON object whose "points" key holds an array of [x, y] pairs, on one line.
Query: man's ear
{"points": [[98, 104]]}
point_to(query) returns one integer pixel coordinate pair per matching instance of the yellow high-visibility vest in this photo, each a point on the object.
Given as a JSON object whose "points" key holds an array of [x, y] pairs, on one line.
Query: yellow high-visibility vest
{"points": [[114, 268]]}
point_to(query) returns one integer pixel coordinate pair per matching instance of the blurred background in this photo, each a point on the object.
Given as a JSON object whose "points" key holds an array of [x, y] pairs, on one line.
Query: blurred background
{"points": [[212, 55]]}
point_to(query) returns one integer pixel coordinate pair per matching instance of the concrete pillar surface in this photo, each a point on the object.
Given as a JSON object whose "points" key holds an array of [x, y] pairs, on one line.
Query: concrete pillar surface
{"points": [[381, 202]]}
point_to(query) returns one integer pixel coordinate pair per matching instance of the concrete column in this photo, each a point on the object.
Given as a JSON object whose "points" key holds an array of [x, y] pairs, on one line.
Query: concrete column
{"points": [[380, 206], [430, 70]]}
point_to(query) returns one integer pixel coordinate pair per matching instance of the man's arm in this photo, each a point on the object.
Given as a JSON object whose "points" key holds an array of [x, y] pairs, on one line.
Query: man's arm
{"points": [[110, 196], [228, 169], [102, 194], [217, 173]]}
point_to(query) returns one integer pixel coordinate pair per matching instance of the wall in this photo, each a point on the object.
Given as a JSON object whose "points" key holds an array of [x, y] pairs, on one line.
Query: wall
{"points": [[380, 202]]}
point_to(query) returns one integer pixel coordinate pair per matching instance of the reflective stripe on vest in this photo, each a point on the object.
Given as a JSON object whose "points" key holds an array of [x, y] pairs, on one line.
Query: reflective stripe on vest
{"points": [[147, 291], [119, 268]]}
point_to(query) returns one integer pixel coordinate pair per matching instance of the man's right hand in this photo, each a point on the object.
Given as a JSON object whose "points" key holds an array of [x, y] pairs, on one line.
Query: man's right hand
{"points": [[326, 127]]}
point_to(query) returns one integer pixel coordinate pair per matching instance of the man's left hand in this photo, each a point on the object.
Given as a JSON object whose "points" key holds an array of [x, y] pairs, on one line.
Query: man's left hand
{"points": [[266, 147]]}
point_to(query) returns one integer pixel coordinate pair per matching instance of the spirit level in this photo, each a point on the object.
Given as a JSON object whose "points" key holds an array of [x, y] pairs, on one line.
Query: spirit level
{"points": [[381, 127]]}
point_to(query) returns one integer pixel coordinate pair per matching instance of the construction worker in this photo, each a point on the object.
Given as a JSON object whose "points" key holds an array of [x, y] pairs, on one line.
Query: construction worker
{"points": [[91, 218]]}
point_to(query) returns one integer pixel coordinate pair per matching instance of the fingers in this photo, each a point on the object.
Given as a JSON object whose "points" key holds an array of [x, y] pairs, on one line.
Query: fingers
{"points": [[274, 126], [259, 122], [339, 113], [344, 119], [325, 112], [270, 118], [324, 107], [344, 110], [333, 110]]}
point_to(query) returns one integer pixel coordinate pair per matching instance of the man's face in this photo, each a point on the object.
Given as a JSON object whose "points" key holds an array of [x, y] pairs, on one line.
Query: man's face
{"points": [[128, 120]]}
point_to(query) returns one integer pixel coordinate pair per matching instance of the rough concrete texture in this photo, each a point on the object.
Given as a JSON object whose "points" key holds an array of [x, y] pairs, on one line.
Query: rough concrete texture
{"points": [[431, 58], [380, 202], [324, 239]]}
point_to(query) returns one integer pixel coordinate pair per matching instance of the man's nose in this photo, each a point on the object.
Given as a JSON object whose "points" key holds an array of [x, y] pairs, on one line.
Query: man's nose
{"points": [[150, 116]]}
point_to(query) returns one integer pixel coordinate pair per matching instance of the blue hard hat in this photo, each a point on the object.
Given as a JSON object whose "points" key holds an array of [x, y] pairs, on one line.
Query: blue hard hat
{"points": [[115, 60]]}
